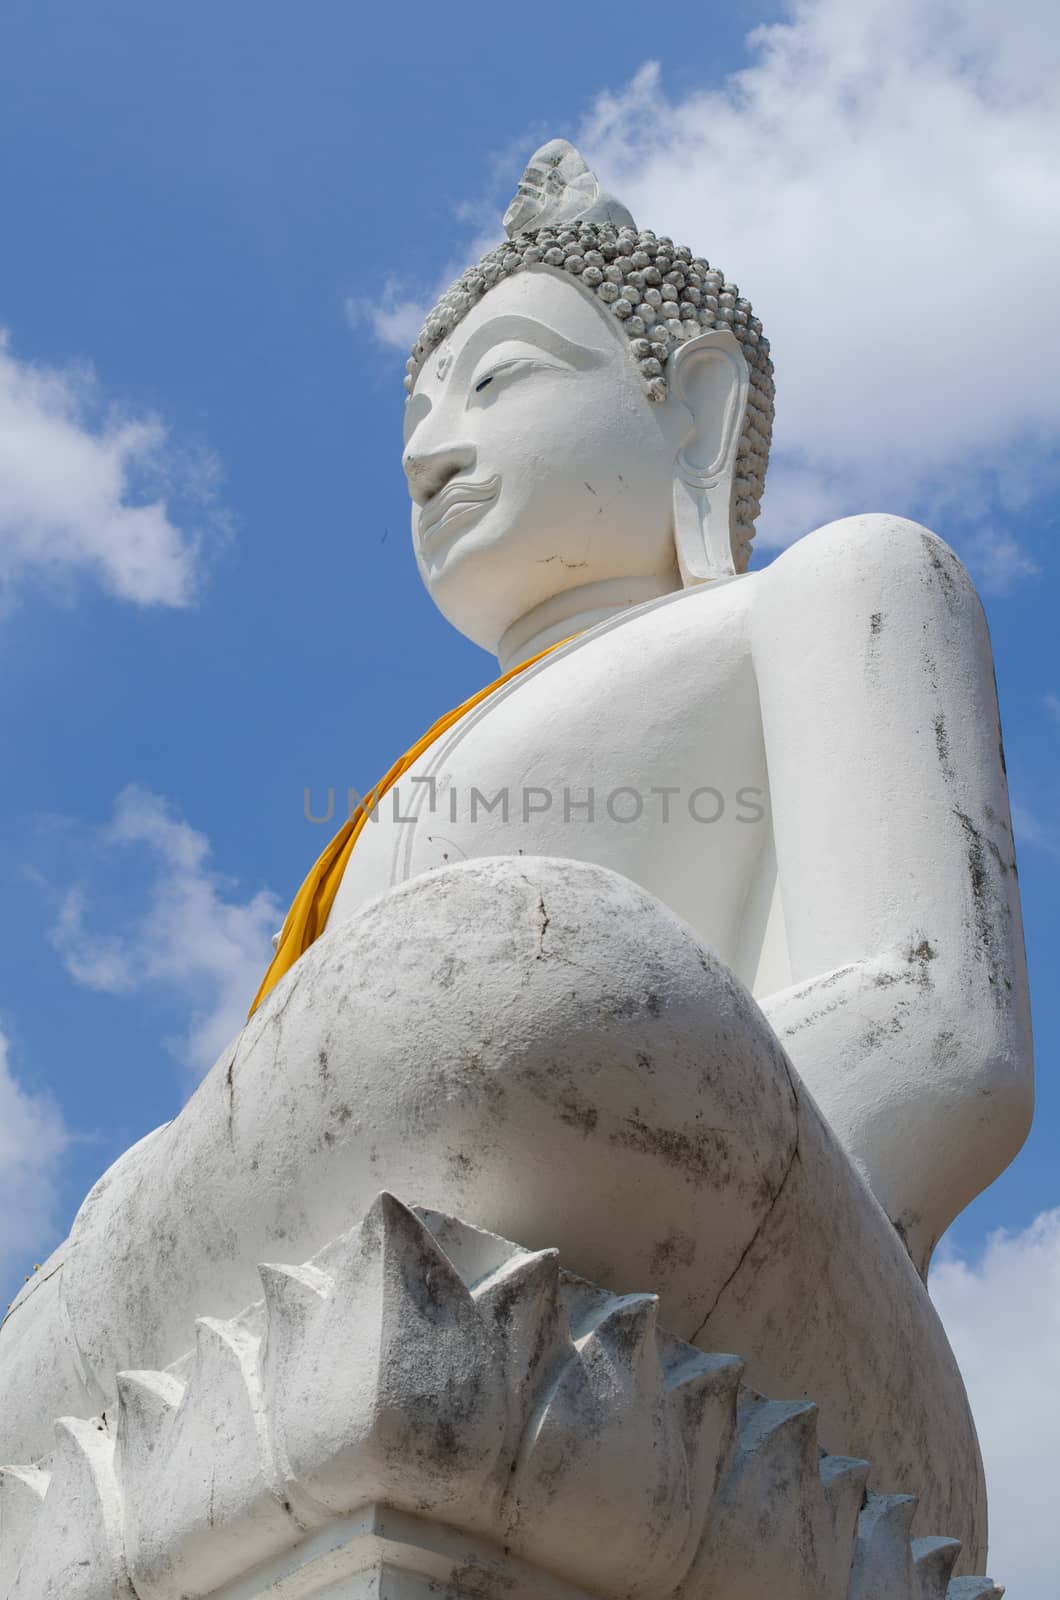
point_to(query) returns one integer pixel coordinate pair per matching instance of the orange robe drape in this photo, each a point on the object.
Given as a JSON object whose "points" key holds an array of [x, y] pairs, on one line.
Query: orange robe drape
{"points": [[309, 911]]}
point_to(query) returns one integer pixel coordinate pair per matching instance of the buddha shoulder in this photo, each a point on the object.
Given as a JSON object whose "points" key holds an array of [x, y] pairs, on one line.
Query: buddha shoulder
{"points": [[870, 558], [859, 588]]}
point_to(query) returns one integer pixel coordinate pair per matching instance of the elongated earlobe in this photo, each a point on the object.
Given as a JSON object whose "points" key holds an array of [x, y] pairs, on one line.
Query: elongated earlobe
{"points": [[710, 379]]}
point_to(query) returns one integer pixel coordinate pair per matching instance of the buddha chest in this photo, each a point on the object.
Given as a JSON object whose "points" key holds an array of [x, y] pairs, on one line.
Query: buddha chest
{"points": [[636, 747]]}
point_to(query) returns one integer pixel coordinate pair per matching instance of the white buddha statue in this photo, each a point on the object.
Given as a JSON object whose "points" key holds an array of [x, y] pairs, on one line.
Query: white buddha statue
{"points": [[847, 690], [532, 1005]]}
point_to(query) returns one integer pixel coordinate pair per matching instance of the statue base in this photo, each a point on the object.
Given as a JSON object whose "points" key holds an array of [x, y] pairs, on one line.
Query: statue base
{"points": [[424, 1407]]}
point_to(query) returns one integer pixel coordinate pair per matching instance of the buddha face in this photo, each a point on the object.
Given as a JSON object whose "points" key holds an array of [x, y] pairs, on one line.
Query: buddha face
{"points": [[535, 460]]}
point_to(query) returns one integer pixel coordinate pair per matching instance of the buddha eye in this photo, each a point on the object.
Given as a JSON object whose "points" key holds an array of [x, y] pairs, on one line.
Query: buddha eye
{"points": [[504, 370]]}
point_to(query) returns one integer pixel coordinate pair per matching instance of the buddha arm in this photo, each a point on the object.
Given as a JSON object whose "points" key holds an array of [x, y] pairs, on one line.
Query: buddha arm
{"points": [[907, 1017]]}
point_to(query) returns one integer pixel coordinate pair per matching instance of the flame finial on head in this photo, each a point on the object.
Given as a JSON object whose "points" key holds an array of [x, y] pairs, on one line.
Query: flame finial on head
{"points": [[556, 188]]}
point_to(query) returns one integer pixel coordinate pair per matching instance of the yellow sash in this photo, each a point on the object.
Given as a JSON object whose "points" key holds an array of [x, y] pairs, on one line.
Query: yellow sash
{"points": [[308, 915]]}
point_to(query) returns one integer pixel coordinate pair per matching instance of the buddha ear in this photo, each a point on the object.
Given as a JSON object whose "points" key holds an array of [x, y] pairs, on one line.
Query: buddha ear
{"points": [[708, 376]]}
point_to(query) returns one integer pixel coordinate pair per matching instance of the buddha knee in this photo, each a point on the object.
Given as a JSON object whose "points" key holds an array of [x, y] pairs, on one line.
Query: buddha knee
{"points": [[539, 1043], [535, 1045], [552, 974]]}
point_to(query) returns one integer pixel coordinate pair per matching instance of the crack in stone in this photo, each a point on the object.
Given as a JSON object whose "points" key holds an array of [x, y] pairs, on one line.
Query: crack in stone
{"points": [[36, 1279], [545, 920], [749, 1246], [753, 1240], [231, 1087]]}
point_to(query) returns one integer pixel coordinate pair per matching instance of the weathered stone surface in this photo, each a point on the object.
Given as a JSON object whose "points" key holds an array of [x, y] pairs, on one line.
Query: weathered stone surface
{"points": [[576, 1070], [424, 1404]]}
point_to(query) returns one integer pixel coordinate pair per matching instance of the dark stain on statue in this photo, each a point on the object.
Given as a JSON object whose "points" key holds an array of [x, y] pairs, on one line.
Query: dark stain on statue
{"points": [[1002, 864], [976, 863], [676, 1250], [230, 1086], [997, 715], [875, 629], [914, 971], [704, 1154], [904, 1225], [983, 902], [571, 566], [460, 1165], [792, 1029], [942, 561], [942, 747], [623, 1331], [483, 1085], [576, 1114], [545, 920], [554, 1084], [503, 1301], [944, 1047], [636, 1005], [478, 1583], [880, 1032], [920, 958]]}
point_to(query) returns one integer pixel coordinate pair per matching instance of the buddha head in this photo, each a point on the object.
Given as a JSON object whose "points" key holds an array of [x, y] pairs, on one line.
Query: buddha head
{"points": [[588, 418]]}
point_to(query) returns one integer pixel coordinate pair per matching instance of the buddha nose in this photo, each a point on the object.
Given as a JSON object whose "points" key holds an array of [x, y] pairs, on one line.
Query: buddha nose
{"points": [[428, 471]]}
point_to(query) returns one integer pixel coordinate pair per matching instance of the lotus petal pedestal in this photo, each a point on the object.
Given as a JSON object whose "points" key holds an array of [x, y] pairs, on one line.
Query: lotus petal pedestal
{"points": [[424, 1408]]}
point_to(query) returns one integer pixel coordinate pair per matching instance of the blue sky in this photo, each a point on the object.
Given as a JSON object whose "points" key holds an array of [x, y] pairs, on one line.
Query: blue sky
{"points": [[219, 222]]}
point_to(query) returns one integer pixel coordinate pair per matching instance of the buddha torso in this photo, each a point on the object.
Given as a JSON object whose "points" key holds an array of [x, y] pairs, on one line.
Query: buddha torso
{"points": [[656, 715]]}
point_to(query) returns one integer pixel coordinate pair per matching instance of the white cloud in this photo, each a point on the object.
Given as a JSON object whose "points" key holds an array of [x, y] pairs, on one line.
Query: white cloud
{"points": [[186, 936], [884, 180], [1002, 1314], [1051, 702], [398, 314], [998, 560], [395, 319], [86, 490], [32, 1140], [1029, 829]]}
